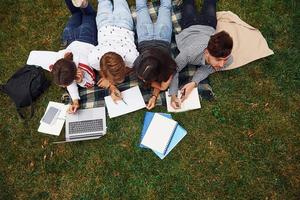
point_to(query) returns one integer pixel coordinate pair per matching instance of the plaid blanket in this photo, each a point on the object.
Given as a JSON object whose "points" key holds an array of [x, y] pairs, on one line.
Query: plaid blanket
{"points": [[94, 97]]}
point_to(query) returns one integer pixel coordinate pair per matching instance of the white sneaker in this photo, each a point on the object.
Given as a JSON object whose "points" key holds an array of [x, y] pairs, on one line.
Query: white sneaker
{"points": [[80, 3]]}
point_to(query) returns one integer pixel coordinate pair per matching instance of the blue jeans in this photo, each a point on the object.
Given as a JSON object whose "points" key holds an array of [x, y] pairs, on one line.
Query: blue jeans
{"points": [[161, 29], [119, 16], [81, 26], [190, 16]]}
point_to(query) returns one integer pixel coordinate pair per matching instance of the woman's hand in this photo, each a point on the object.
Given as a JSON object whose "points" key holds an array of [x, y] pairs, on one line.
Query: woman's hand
{"points": [[104, 83], [74, 106], [152, 102], [115, 93]]}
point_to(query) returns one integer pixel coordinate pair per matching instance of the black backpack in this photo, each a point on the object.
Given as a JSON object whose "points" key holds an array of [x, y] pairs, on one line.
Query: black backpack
{"points": [[25, 86]]}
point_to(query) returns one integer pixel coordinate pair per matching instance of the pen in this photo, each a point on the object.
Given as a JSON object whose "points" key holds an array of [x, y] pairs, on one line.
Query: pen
{"points": [[182, 94], [118, 95]]}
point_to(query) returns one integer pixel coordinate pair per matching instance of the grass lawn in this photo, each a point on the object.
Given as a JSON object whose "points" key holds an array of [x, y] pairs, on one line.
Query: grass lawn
{"points": [[243, 145]]}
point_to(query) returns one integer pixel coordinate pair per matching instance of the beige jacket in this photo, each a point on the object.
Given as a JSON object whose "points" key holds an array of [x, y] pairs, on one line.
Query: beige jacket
{"points": [[248, 42]]}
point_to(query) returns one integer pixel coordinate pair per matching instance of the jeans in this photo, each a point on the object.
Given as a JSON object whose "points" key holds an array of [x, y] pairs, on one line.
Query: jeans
{"points": [[161, 29], [190, 16], [119, 16], [81, 26]]}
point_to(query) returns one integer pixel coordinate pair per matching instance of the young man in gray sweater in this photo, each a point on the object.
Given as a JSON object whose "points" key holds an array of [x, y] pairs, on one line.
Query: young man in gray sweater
{"points": [[199, 45]]}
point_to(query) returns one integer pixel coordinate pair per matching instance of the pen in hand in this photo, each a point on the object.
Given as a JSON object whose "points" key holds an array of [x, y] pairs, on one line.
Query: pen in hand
{"points": [[117, 94], [182, 94]]}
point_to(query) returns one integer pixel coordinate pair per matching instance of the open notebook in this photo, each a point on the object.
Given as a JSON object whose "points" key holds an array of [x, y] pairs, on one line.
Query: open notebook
{"points": [[191, 103], [132, 101]]}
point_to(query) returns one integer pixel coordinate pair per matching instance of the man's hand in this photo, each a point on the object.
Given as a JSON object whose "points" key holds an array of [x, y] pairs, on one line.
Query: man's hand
{"points": [[79, 75], [175, 102], [115, 93], [74, 106], [151, 103], [104, 83], [186, 90]]}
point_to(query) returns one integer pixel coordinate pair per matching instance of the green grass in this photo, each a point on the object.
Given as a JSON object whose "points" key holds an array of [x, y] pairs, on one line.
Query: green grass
{"points": [[243, 145]]}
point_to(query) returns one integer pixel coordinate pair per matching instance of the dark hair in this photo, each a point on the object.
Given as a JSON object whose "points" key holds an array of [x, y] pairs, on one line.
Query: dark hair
{"points": [[155, 66], [220, 45], [64, 72], [112, 67]]}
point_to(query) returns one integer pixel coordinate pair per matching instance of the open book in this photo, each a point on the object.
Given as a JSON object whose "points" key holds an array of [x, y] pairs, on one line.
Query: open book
{"points": [[191, 103]]}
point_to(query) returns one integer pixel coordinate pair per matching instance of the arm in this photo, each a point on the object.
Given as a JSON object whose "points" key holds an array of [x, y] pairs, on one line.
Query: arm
{"points": [[163, 85], [73, 91], [181, 60], [113, 90], [153, 98], [88, 74]]}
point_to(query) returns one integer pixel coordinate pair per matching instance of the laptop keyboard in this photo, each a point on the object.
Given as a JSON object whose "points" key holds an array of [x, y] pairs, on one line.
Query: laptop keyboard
{"points": [[87, 126]]}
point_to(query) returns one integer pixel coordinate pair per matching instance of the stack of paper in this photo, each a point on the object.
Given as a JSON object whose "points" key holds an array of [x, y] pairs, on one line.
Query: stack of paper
{"points": [[53, 122], [161, 133]]}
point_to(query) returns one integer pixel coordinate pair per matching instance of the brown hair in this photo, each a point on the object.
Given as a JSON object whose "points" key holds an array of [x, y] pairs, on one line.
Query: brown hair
{"points": [[153, 65], [112, 67], [220, 45], [64, 72]]}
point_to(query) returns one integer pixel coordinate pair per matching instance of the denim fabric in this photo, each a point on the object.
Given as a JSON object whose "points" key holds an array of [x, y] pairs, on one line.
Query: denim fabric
{"points": [[81, 26], [191, 17], [117, 15], [161, 29]]}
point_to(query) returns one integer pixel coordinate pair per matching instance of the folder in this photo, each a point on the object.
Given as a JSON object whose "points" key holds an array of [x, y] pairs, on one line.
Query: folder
{"points": [[178, 135]]}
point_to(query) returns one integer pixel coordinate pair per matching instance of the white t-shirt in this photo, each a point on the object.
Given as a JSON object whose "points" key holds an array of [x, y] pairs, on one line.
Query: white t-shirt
{"points": [[114, 39], [80, 51]]}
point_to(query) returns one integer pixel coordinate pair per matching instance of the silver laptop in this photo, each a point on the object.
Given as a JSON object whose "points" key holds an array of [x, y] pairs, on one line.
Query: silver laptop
{"points": [[85, 124]]}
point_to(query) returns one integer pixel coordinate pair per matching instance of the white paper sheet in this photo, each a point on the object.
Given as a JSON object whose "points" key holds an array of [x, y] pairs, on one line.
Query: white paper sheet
{"points": [[159, 133], [191, 103], [57, 126], [42, 58], [134, 99]]}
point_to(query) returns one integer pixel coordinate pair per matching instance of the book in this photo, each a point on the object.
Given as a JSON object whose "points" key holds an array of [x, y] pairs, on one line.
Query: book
{"points": [[159, 133], [132, 101], [178, 135], [191, 103]]}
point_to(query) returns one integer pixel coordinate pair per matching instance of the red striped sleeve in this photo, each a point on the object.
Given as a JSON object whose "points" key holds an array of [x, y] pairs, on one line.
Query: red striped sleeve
{"points": [[88, 69], [88, 85]]}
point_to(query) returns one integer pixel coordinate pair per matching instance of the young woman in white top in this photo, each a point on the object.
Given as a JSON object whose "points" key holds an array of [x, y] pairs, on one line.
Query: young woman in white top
{"points": [[116, 50], [80, 34]]}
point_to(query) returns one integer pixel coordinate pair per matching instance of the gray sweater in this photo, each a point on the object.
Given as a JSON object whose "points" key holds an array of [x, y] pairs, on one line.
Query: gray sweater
{"points": [[191, 43]]}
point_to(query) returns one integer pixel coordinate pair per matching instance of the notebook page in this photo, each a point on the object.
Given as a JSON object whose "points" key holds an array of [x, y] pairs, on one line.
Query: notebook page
{"points": [[191, 103], [134, 99]]}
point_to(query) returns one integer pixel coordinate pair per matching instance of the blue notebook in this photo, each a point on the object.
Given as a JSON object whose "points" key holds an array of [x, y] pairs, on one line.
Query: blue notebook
{"points": [[179, 133]]}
